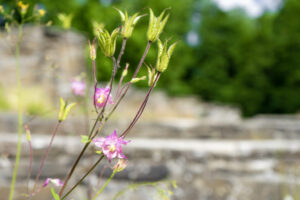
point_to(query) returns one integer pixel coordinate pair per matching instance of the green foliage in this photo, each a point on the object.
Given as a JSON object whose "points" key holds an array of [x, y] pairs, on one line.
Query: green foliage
{"points": [[35, 102], [249, 62]]}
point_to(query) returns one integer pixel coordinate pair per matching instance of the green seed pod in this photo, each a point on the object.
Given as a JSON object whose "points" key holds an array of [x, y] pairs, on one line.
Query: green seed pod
{"points": [[107, 42], [64, 110], [93, 53], [128, 23], [156, 25], [151, 75], [164, 55], [66, 20]]}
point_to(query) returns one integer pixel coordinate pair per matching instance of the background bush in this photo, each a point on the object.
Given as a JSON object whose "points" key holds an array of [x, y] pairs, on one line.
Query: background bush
{"points": [[252, 63]]}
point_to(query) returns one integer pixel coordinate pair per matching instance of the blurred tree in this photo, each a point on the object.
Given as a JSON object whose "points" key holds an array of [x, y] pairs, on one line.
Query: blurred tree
{"points": [[251, 63], [222, 56]]}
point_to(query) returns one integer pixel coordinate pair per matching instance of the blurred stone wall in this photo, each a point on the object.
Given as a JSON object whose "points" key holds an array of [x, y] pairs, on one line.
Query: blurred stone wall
{"points": [[208, 149], [49, 58]]}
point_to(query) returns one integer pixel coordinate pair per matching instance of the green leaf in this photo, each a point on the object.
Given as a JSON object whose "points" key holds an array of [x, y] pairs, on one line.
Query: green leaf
{"points": [[85, 139], [98, 152], [54, 194]]}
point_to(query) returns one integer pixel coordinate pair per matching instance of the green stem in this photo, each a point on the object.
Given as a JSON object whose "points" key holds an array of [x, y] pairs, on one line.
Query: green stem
{"points": [[104, 186], [20, 111]]}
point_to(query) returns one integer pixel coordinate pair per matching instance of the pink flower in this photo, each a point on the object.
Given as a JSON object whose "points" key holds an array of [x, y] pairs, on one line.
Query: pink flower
{"points": [[55, 181], [78, 87], [111, 146], [101, 94]]}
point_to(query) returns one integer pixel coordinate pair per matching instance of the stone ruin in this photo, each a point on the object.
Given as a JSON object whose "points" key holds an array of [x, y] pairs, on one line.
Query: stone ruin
{"points": [[209, 150]]}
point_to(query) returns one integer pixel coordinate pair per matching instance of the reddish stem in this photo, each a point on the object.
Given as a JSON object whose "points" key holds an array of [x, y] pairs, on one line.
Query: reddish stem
{"points": [[100, 118], [120, 83], [121, 51], [30, 165], [141, 109], [45, 155]]}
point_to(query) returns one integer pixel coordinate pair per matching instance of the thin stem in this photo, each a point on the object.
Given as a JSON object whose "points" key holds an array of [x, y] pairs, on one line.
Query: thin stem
{"points": [[100, 117], [105, 184], [110, 85], [141, 109], [94, 62], [80, 156], [30, 165], [142, 60], [123, 135], [72, 169], [95, 83], [121, 51], [86, 113], [129, 83], [101, 175], [46, 154], [94, 73], [20, 115], [120, 82], [86, 174]]}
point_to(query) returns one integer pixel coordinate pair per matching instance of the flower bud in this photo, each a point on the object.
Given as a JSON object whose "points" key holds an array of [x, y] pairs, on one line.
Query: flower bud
{"points": [[135, 80], [107, 42], [23, 7], [64, 110], [41, 12], [55, 181], [28, 135], [1, 9], [124, 73], [93, 53], [151, 75], [49, 23], [156, 25], [128, 23], [120, 165], [65, 20], [164, 55], [97, 27]]}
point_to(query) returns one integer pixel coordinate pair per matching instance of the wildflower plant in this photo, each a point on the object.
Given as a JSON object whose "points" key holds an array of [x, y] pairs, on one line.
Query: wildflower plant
{"points": [[110, 147]]}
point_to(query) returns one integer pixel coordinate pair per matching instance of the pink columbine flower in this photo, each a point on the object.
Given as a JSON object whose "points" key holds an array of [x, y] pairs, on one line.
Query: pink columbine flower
{"points": [[101, 94], [111, 146], [78, 87], [55, 181]]}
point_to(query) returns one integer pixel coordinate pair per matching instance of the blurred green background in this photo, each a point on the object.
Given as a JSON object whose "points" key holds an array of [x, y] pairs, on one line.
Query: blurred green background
{"points": [[228, 57]]}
